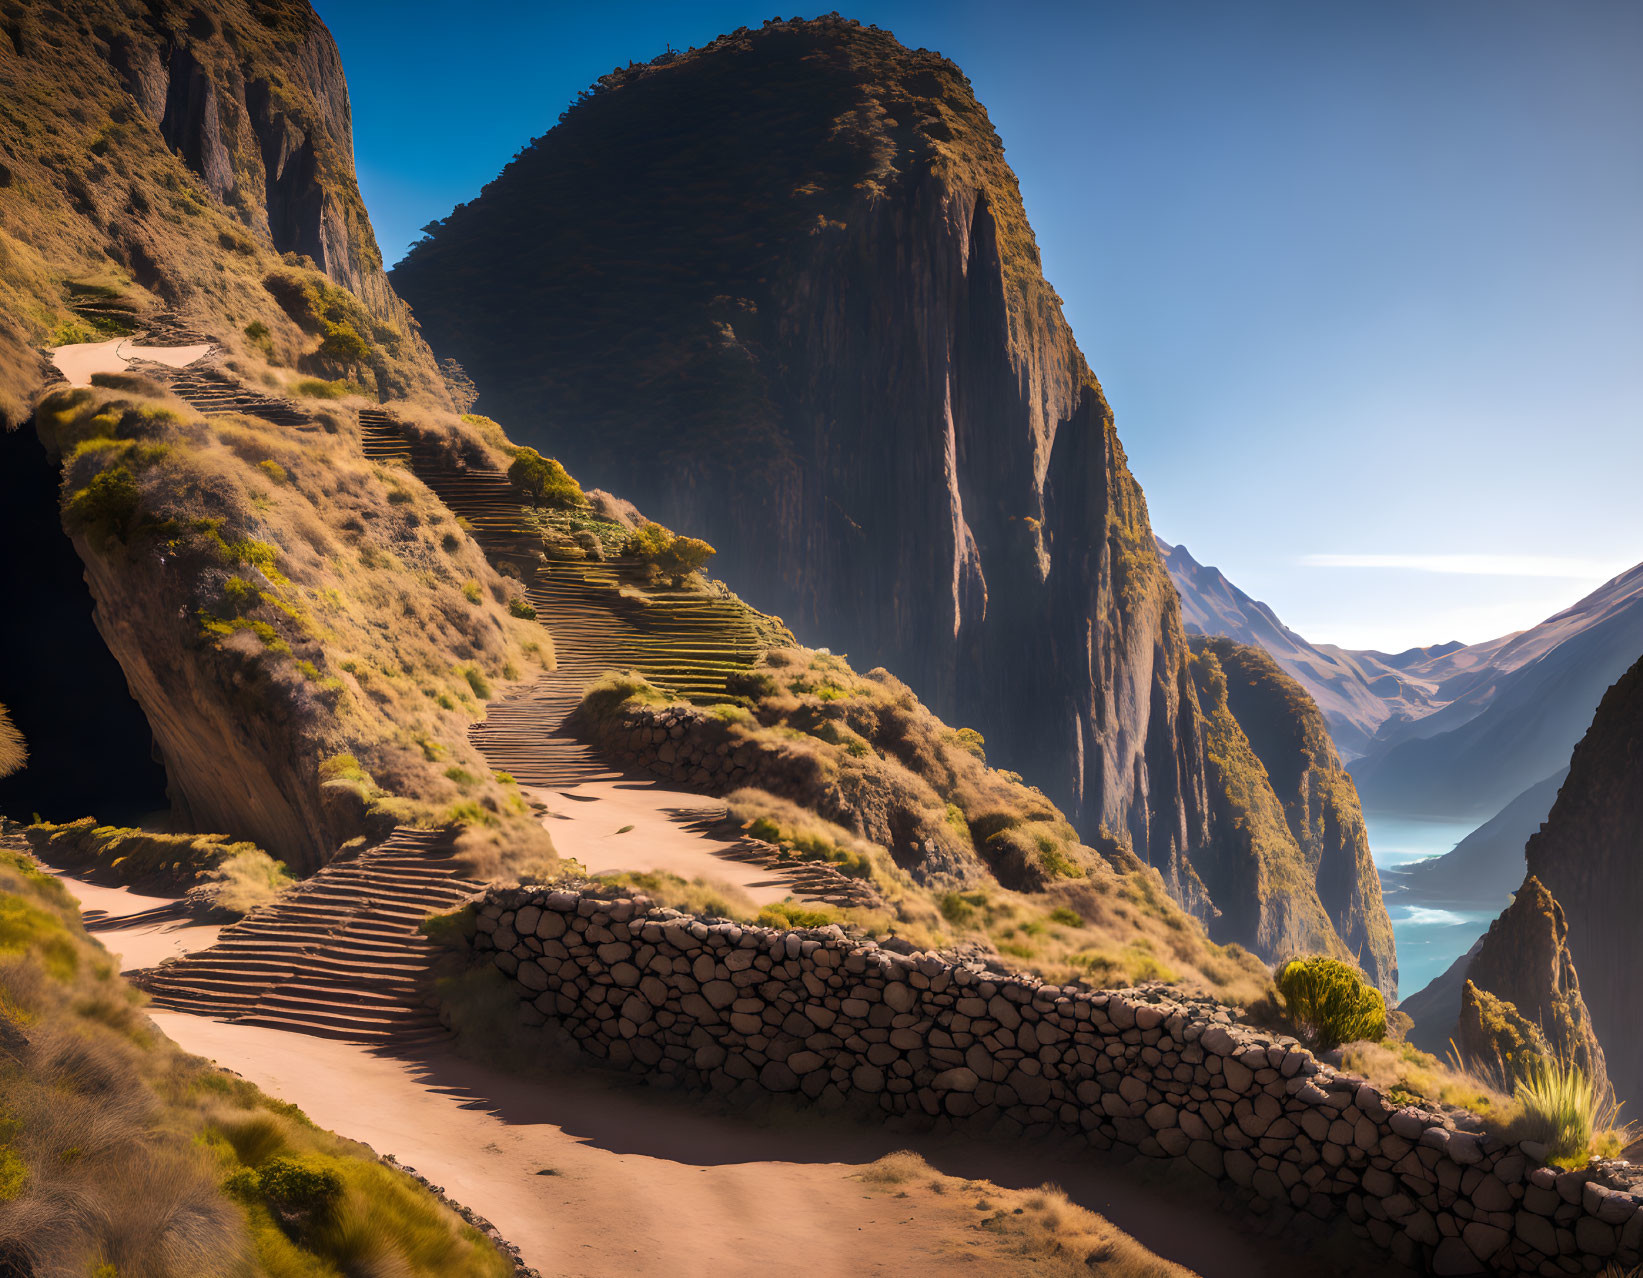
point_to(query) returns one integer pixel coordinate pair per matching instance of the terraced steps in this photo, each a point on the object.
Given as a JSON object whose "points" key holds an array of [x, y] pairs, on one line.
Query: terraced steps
{"points": [[340, 955], [213, 392], [686, 642]]}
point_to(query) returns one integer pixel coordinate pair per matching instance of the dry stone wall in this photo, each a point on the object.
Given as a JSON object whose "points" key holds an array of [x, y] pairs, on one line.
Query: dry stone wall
{"points": [[747, 1011]]}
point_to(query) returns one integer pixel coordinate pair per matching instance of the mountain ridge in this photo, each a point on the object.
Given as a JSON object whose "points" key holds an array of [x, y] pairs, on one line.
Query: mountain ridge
{"points": [[850, 374]]}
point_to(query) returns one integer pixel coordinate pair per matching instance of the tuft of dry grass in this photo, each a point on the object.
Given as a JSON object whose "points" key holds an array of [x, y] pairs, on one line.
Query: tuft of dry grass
{"points": [[1014, 1230], [13, 750]]}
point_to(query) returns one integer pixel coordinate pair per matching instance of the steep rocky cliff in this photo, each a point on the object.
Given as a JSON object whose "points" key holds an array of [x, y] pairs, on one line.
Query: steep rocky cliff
{"points": [[1308, 836], [162, 158], [1589, 854], [1525, 964], [782, 290]]}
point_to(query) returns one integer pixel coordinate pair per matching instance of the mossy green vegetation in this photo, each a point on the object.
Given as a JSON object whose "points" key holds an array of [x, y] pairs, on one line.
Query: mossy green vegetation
{"points": [[542, 480], [1329, 1003], [139, 1159], [222, 875]]}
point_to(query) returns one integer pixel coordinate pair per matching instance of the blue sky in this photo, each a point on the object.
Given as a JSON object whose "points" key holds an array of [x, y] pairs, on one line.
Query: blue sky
{"points": [[1364, 282]]}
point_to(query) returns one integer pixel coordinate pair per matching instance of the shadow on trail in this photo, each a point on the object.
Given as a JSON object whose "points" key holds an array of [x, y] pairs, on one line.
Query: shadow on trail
{"points": [[1170, 1209]]}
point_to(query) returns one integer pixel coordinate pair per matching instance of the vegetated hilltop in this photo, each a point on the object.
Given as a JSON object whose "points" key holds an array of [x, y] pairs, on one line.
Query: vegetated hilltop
{"points": [[782, 290], [1587, 856]]}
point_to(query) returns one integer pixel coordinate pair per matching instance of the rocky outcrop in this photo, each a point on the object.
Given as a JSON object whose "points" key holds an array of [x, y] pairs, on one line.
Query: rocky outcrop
{"points": [[856, 383], [831, 350], [186, 152], [1295, 847], [819, 1017], [1525, 961], [1587, 856]]}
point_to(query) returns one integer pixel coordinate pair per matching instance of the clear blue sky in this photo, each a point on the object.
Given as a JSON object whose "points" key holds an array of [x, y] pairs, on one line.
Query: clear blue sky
{"points": [[1364, 282]]}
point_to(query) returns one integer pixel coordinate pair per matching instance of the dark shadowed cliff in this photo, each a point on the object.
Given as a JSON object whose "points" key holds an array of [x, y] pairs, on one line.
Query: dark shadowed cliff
{"points": [[1589, 854], [782, 290]]}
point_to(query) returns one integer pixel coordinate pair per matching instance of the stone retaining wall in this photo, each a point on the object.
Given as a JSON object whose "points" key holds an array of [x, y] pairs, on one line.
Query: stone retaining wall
{"points": [[744, 1011]]}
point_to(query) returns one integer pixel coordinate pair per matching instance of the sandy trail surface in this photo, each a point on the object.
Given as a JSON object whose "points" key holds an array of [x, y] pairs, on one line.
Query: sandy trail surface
{"points": [[140, 931], [79, 361], [638, 825], [589, 1175]]}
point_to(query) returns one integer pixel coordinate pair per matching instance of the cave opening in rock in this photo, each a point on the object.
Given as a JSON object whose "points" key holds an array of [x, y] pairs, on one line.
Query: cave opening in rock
{"points": [[90, 747]]}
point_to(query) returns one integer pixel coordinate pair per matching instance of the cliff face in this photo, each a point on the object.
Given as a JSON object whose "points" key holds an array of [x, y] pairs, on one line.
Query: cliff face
{"points": [[161, 158], [1327, 846], [1525, 963], [782, 290], [834, 354], [1587, 855]]}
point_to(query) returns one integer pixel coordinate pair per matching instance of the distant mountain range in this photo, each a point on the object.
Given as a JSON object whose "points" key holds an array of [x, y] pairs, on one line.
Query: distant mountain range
{"points": [[1456, 730]]}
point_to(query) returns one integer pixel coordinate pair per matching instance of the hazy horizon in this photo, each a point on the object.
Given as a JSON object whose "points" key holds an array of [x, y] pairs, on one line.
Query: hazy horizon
{"points": [[1363, 287]]}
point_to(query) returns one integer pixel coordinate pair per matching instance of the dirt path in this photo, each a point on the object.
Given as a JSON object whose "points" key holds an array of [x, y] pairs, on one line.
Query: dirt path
{"points": [[79, 361], [638, 825], [140, 931], [589, 1176]]}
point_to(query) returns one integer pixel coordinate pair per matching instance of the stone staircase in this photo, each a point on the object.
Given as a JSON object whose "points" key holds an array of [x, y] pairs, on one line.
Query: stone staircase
{"points": [[686, 642], [340, 955], [212, 392]]}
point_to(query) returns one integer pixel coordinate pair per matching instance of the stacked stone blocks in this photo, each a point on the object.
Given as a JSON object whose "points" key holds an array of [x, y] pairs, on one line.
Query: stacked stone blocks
{"points": [[747, 1011]]}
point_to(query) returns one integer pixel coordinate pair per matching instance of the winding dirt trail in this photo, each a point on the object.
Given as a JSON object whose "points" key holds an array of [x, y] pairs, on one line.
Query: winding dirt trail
{"points": [[591, 1174]]}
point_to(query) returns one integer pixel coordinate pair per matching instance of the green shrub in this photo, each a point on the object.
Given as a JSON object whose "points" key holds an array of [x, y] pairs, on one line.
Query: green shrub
{"points": [[476, 680], [472, 592], [672, 554], [343, 345], [522, 607], [1330, 1004], [683, 556], [107, 506], [543, 480]]}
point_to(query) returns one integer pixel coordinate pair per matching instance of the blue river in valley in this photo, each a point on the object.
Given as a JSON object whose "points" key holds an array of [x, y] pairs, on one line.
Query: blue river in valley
{"points": [[1430, 936]]}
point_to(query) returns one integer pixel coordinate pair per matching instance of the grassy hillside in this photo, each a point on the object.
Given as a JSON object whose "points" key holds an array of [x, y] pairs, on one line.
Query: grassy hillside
{"points": [[242, 571], [166, 160], [853, 770], [120, 1155]]}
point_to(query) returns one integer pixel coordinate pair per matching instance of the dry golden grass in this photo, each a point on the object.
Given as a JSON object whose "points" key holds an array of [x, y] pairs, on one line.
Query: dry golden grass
{"points": [[961, 853], [121, 1155], [995, 1230], [13, 750], [102, 224], [340, 593], [219, 874]]}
